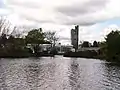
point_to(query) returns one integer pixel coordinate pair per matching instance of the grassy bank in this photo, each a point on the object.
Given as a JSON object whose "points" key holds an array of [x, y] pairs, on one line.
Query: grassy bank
{"points": [[85, 54]]}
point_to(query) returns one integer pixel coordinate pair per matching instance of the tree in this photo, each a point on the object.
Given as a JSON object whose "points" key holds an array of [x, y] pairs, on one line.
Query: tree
{"points": [[4, 26], [35, 36], [51, 37], [113, 45], [4, 29], [10, 43], [95, 44], [103, 49], [3, 40], [85, 44]]}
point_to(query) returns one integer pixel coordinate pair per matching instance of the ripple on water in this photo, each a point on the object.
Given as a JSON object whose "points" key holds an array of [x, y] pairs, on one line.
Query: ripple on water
{"points": [[58, 73]]}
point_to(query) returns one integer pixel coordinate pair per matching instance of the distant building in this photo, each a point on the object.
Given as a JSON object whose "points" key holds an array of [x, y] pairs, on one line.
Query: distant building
{"points": [[74, 37], [64, 48], [42, 47]]}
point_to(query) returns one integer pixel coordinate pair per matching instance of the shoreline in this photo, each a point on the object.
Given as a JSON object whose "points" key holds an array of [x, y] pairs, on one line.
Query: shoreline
{"points": [[84, 54], [27, 56]]}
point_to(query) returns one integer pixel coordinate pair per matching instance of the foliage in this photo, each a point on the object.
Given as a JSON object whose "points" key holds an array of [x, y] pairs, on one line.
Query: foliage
{"points": [[51, 37], [3, 39], [35, 36], [85, 44], [95, 44], [110, 49], [113, 45], [103, 49], [13, 44]]}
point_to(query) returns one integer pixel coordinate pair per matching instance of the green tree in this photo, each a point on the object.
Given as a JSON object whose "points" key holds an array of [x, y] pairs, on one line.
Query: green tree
{"points": [[113, 45], [85, 44], [3, 40], [95, 44], [35, 36]]}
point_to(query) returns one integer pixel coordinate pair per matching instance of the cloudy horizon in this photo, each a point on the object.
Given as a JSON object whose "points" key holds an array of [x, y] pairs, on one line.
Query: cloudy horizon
{"points": [[95, 18]]}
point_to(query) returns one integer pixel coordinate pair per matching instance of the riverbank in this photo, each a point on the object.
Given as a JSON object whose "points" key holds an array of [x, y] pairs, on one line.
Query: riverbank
{"points": [[84, 54], [24, 55]]}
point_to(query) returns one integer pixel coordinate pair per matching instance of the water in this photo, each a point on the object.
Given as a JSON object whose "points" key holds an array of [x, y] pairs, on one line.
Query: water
{"points": [[58, 73]]}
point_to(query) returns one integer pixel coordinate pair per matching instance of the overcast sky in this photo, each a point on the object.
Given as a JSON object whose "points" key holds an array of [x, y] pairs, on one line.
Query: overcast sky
{"points": [[96, 18]]}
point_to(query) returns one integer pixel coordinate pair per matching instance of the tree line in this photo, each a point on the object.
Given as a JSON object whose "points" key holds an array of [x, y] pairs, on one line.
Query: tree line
{"points": [[110, 48], [12, 42], [88, 44]]}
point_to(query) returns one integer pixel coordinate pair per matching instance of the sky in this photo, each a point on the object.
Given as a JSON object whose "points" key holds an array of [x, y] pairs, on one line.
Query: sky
{"points": [[96, 18]]}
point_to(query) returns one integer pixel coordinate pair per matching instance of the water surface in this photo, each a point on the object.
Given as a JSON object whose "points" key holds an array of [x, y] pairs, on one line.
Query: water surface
{"points": [[58, 73]]}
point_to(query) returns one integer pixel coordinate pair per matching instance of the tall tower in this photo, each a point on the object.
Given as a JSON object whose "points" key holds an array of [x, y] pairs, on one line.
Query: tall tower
{"points": [[74, 37]]}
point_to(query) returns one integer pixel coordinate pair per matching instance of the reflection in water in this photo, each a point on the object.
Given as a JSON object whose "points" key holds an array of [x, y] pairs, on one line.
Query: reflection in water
{"points": [[46, 76], [32, 72], [74, 75], [93, 75], [2, 78], [58, 73], [111, 76], [39, 77]]}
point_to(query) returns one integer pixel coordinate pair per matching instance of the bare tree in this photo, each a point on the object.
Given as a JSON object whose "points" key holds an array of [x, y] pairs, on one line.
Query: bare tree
{"points": [[15, 32], [18, 32], [4, 26], [51, 37], [2, 22], [7, 29]]}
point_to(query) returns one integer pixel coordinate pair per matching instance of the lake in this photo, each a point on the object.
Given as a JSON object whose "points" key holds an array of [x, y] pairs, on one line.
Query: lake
{"points": [[58, 73]]}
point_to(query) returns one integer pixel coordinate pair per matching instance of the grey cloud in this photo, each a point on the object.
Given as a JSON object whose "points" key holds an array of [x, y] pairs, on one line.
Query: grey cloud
{"points": [[88, 20], [82, 23], [64, 38], [36, 20], [77, 13], [84, 14], [24, 4], [81, 20], [82, 8]]}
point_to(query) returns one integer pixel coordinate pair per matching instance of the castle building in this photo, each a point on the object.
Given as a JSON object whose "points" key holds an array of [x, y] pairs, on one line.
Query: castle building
{"points": [[74, 37]]}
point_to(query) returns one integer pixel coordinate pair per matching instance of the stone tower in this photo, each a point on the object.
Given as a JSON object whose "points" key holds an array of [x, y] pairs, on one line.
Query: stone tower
{"points": [[74, 37]]}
